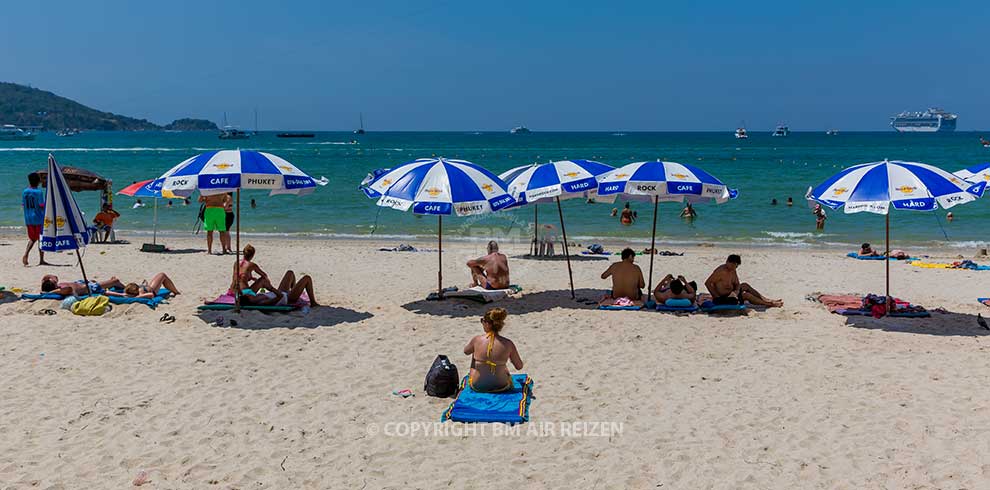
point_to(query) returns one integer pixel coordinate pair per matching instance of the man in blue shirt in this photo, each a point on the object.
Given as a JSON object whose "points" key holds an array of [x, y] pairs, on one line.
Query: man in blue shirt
{"points": [[33, 202]]}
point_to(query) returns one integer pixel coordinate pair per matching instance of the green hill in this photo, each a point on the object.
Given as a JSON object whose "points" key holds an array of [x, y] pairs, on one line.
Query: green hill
{"points": [[27, 106], [188, 124]]}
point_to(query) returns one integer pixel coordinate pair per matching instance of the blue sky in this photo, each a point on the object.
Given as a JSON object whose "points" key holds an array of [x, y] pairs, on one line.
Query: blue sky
{"points": [[552, 64]]}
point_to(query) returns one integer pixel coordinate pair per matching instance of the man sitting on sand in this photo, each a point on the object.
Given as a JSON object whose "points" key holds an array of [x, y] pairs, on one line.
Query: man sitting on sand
{"points": [[490, 271], [627, 281], [671, 287], [50, 284], [726, 289]]}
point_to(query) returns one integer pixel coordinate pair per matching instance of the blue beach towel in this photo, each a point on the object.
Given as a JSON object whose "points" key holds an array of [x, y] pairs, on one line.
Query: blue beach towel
{"points": [[510, 407], [676, 309], [117, 300], [619, 308], [711, 307], [857, 256]]}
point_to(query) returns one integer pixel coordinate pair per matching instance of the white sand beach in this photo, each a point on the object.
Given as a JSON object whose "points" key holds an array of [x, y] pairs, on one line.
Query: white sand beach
{"points": [[794, 397]]}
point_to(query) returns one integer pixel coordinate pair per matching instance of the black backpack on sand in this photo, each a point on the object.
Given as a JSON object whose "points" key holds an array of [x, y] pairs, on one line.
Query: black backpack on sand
{"points": [[442, 379]]}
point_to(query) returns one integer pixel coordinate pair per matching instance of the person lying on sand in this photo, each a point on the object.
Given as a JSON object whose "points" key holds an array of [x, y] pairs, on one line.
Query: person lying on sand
{"points": [[147, 289], [671, 287], [726, 289], [867, 251], [288, 292], [627, 280], [51, 284], [245, 271], [490, 271], [490, 354]]}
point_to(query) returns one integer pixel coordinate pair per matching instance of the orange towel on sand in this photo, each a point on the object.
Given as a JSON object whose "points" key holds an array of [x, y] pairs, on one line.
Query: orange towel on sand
{"points": [[841, 302]]}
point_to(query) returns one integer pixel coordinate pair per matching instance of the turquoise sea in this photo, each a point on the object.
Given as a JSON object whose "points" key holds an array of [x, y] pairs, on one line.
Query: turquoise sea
{"points": [[761, 168]]}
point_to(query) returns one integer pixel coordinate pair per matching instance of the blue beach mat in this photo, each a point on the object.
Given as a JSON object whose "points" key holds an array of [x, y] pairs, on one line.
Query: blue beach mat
{"points": [[857, 256], [711, 307], [510, 406], [619, 308], [117, 300], [677, 309]]}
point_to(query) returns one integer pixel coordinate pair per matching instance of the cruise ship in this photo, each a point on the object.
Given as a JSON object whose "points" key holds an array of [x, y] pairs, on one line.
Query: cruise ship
{"points": [[931, 121]]}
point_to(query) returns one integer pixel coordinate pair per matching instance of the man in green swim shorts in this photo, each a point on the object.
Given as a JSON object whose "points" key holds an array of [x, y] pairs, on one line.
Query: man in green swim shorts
{"points": [[214, 217]]}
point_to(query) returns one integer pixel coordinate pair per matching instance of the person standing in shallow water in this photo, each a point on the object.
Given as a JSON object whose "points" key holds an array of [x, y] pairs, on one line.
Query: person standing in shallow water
{"points": [[820, 217]]}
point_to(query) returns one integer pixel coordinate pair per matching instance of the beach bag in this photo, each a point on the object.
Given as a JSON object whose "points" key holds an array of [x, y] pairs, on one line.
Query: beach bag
{"points": [[442, 379], [91, 306]]}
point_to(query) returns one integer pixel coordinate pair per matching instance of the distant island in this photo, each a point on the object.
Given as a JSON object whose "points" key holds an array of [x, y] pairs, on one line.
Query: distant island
{"points": [[188, 124], [21, 105]]}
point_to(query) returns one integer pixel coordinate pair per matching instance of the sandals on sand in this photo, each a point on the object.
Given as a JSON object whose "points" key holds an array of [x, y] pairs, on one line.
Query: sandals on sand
{"points": [[166, 318]]}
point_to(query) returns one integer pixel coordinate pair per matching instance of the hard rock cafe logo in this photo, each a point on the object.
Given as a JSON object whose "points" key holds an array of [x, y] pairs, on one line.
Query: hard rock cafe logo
{"points": [[571, 174], [386, 182], [59, 222], [285, 168], [621, 176], [906, 189], [840, 191], [487, 187], [222, 166], [679, 176], [434, 192]]}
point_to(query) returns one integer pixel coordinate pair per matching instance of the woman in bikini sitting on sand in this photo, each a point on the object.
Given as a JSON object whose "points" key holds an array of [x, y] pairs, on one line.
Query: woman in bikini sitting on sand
{"points": [[245, 271], [147, 289], [490, 353], [287, 293]]}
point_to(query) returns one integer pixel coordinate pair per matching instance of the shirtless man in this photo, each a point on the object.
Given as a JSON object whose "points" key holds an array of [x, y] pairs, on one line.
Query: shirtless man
{"points": [[490, 271], [671, 287], [51, 284], [726, 289], [627, 279], [214, 217]]}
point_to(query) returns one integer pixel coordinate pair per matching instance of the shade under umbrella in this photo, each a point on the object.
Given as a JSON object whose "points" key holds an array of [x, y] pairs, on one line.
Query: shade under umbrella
{"points": [[64, 226], [875, 187], [440, 186], [661, 181], [565, 179]]}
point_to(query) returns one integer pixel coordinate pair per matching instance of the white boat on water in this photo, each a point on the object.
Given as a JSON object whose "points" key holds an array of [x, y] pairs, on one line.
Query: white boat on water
{"points": [[741, 133], [9, 132], [232, 133], [781, 130], [934, 120], [519, 130], [832, 132]]}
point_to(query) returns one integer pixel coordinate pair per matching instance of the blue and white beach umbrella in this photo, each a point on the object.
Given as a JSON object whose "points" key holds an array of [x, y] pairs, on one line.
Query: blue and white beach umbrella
{"points": [[222, 171], [665, 182], [975, 174], [565, 179], [64, 227], [875, 187], [441, 187], [217, 172], [660, 181]]}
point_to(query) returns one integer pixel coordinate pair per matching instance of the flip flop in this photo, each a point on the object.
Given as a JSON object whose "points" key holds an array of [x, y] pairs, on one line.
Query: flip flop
{"points": [[166, 318], [47, 311], [403, 393]]}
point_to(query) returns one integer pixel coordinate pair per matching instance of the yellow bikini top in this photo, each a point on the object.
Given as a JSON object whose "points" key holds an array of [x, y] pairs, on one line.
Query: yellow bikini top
{"points": [[488, 353]]}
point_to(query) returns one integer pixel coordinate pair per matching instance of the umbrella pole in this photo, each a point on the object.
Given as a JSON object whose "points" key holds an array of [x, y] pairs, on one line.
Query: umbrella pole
{"points": [[154, 233], [536, 230], [81, 266], [567, 253], [440, 256], [887, 264], [237, 254], [653, 245]]}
